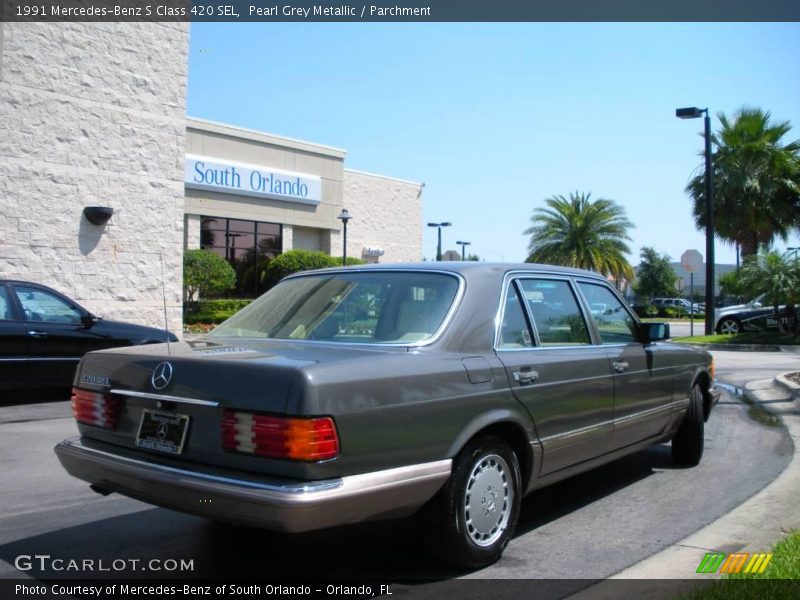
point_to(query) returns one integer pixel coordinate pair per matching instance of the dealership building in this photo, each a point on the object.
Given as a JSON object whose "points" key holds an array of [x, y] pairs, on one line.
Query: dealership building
{"points": [[94, 115]]}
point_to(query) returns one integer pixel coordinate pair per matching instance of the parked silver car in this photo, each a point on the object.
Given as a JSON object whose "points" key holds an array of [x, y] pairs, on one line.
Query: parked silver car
{"points": [[343, 395]]}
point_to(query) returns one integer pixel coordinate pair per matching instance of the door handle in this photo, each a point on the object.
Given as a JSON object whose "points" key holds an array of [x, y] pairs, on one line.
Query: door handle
{"points": [[37, 334], [620, 366], [525, 376]]}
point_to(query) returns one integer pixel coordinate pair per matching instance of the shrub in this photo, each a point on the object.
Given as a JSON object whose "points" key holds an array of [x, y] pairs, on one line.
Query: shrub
{"points": [[205, 274], [294, 261], [645, 311], [214, 311]]}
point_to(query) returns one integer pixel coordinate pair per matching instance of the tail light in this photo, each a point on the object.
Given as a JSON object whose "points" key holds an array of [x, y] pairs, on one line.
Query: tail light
{"points": [[306, 439], [95, 408]]}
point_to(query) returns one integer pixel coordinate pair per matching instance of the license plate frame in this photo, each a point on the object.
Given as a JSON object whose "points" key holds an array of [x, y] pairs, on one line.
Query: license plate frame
{"points": [[169, 439]]}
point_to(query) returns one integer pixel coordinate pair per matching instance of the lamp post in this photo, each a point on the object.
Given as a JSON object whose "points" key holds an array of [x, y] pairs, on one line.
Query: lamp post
{"points": [[463, 246], [344, 217], [694, 113], [439, 245]]}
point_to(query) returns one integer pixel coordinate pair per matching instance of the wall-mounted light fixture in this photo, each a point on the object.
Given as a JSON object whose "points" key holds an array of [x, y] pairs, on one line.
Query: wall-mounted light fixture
{"points": [[98, 215]]}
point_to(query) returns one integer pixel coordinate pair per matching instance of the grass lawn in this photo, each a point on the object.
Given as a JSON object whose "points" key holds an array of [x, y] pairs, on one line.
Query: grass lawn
{"points": [[756, 337], [785, 564]]}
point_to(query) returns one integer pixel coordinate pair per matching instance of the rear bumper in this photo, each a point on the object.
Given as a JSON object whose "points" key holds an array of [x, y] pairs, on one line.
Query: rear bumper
{"points": [[276, 504]]}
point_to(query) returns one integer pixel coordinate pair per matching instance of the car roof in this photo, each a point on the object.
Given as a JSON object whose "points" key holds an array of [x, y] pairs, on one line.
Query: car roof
{"points": [[465, 268]]}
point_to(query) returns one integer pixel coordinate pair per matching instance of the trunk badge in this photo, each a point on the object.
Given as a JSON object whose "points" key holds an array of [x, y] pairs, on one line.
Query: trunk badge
{"points": [[162, 375]]}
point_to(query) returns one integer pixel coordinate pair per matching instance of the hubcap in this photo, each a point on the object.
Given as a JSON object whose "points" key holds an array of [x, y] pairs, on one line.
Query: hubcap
{"points": [[729, 326], [488, 500]]}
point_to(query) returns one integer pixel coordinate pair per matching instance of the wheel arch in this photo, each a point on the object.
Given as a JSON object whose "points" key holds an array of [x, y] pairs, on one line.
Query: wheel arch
{"points": [[703, 379], [509, 426]]}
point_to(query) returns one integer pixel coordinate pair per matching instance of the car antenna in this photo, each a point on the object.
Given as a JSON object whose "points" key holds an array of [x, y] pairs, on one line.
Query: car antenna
{"points": [[164, 298]]}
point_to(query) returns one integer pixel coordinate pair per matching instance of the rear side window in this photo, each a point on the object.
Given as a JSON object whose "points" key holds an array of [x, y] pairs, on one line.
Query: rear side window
{"points": [[556, 315], [514, 331], [614, 322]]}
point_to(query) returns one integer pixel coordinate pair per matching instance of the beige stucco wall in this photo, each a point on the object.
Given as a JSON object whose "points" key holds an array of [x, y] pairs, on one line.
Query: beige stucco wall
{"points": [[94, 114], [387, 214]]}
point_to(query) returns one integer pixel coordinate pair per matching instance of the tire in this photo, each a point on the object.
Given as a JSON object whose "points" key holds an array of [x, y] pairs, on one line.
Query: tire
{"points": [[730, 325], [687, 444], [473, 517]]}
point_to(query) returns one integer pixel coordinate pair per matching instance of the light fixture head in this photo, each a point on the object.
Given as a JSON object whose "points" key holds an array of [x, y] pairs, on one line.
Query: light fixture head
{"points": [[98, 215], [691, 112]]}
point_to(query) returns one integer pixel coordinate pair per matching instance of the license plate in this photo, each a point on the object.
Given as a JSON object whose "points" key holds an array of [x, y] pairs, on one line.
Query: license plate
{"points": [[162, 431]]}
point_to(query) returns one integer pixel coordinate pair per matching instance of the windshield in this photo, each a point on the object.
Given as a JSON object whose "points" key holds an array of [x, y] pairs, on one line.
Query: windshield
{"points": [[362, 308]]}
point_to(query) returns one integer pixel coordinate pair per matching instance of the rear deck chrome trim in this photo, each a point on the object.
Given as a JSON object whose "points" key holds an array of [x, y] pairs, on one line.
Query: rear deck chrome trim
{"points": [[164, 397]]}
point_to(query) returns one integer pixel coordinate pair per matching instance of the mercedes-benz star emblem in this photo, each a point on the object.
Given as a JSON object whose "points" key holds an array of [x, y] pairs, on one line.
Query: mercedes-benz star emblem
{"points": [[162, 431], [162, 375]]}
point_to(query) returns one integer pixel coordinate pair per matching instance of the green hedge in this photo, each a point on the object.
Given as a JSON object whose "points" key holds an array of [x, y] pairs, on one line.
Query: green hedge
{"points": [[215, 311], [294, 261]]}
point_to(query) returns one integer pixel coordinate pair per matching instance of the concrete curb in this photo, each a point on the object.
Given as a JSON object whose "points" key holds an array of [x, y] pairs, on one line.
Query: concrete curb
{"points": [[753, 526], [789, 386]]}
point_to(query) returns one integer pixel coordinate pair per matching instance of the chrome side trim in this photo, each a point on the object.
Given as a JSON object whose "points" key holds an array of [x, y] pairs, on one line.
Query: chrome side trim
{"points": [[651, 412], [54, 358], [164, 397]]}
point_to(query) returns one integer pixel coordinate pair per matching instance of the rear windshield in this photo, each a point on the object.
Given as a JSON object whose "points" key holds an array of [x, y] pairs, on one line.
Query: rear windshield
{"points": [[365, 308]]}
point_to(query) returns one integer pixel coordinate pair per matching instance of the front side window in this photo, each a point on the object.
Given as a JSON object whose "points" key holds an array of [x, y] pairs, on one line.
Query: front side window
{"points": [[38, 305], [614, 322], [367, 308], [556, 315]]}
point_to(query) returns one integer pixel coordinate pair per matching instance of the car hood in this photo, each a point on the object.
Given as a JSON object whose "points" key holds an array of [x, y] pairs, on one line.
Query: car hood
{"points": [[134, 331]]}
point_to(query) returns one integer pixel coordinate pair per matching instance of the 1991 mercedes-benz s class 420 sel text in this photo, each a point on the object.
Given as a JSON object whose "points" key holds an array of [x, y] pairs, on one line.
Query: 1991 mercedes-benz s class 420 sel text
{"points": [[345, 395]]}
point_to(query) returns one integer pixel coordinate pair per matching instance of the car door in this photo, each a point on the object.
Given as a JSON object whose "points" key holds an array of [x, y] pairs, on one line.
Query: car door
{"points": [[56, 335], [643, 381], [14, 370], [555, 371]]}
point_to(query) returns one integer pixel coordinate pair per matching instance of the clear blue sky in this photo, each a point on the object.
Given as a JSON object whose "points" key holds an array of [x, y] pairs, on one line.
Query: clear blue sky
{"points": [[494, 118]]}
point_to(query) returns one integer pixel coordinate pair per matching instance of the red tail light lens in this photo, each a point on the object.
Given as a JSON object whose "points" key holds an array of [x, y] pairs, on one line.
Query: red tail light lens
{"points": [[306, 439], [94, 408]]}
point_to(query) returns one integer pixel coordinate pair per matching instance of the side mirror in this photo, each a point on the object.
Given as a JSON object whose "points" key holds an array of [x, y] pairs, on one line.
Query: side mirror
{"points": [[654, 332], [88, 320]]}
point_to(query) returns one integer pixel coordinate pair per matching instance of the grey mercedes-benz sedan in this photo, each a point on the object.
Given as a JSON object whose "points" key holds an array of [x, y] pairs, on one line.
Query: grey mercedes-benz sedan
{"points": [[450, 390]]}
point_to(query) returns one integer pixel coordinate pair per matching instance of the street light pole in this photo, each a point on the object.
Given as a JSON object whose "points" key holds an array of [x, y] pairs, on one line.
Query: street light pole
{"points": [[694, 113], [439, 244], [344, 217], [463, 246]]}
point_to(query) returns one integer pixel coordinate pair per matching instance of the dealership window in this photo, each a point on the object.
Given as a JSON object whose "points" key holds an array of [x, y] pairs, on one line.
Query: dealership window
{"points": [[247, 245]]}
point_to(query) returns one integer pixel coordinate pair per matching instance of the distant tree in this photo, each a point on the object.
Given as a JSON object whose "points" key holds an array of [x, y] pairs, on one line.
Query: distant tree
{"points": [[756, 181], [205, 274], [731, 285], [473, 257], [655, 276], [778, 277], [583, 233]]}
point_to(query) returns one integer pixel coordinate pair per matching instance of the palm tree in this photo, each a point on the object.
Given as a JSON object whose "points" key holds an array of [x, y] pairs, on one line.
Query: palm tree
{"points": [[583, 233], [756, 181]]}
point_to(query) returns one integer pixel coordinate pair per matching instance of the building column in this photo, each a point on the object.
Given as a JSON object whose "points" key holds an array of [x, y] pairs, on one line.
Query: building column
{"points": [[191, 232], [287, 235]]}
